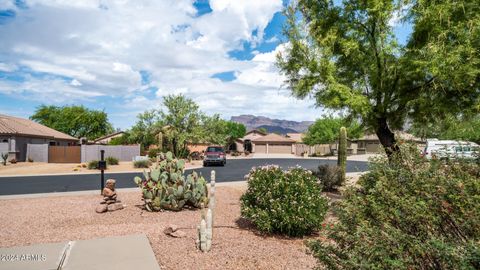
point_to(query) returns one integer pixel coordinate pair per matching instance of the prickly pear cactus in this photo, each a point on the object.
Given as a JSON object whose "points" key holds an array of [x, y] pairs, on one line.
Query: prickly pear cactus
{"points": [[164, 186]]}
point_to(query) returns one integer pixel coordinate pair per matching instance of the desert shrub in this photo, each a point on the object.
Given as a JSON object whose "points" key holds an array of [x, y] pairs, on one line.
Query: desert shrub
{"points": [[282, 202], [235, 153], [195, 155], [408, 213], [92, 165], [111, 161], [329, 177], [141, 163], [153, 152], [247, 153], [13, 161], [29, 159]]}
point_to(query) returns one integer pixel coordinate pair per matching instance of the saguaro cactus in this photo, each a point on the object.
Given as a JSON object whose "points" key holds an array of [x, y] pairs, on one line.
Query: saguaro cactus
{"points": [[160, 141], [205, 230], [342, 155]]}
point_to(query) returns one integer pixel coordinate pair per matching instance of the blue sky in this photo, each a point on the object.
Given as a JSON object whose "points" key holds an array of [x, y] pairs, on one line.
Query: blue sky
{"points": [[123, 57]]}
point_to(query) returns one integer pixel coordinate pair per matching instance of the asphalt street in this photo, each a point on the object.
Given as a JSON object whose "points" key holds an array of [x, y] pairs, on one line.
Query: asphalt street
{"points": [[234, 170]]}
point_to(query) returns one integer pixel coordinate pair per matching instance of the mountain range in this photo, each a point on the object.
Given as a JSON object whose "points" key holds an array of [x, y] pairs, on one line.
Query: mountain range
{"points": [[271, 125]]}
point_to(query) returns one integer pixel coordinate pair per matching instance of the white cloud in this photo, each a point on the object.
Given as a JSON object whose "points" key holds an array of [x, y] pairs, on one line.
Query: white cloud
{"points": [[75, 82], [86, 49], [7, 67], [399, 14]]}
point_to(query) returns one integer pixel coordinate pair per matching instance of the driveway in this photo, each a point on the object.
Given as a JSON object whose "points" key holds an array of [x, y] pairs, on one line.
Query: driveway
{"points": [[235, 170]]}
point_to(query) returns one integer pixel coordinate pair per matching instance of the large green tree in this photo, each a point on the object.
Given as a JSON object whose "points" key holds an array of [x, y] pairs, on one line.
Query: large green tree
{"points": [[182, 118], [213, 130], [77, 121], [326, 130], [179, 122], [347, 57]]}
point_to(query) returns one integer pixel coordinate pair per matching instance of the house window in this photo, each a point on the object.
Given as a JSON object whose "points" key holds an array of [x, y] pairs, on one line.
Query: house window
{"points": [[52, 143], [5, 140]]}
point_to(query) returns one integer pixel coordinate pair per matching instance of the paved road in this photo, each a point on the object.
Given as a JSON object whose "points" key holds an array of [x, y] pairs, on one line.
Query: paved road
{"points": [[235, 170]]}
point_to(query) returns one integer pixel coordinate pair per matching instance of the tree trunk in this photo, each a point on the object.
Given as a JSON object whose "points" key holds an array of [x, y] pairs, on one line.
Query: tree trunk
{"points": [[386, 137]]}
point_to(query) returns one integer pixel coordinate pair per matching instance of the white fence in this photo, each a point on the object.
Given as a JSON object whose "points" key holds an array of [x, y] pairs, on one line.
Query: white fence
{"points": [[37, 152], [319, 149], [121, 152]]}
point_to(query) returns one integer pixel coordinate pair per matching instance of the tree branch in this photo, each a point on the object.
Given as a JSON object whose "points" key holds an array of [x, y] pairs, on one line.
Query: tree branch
{"points": [[423, 85]]}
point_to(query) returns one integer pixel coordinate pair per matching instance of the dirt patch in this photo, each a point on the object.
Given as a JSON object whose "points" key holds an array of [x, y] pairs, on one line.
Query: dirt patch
{"points": [[236, 244]]}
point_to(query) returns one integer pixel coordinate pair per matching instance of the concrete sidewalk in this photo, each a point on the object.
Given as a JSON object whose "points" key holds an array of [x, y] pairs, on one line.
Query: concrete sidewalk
{"points": [[116, 253]]}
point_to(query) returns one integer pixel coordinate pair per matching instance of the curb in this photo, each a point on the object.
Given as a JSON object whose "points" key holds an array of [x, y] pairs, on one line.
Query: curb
{"points": [[83, 173], [133, 189]]}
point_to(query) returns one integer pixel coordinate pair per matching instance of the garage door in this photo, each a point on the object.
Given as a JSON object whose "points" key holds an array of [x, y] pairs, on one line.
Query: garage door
{"points": [[373, 148], [280, 149], [260, 148]]}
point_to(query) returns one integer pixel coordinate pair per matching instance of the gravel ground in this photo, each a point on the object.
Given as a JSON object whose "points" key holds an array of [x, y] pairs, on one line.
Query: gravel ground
{"points": [[235, 246]]}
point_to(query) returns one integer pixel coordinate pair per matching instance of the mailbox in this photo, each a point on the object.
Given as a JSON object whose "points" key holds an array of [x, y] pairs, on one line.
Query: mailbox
{"points": [[102, 165]]}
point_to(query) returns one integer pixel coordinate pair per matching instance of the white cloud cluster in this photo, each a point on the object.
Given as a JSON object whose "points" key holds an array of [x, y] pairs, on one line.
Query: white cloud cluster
{"points": [[81, 50]]}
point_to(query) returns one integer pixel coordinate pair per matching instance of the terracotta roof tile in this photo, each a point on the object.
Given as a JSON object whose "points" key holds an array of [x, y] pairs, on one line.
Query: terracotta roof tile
{"points": [[272, 137], [10, 125], [297, 137]]}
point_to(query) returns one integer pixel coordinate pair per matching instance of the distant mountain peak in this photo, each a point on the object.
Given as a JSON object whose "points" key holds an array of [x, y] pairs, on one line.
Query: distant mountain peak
{"points": [[271, 125]]}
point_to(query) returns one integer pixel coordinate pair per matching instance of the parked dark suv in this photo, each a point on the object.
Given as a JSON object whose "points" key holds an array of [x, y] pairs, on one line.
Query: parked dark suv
{"points": [[215, 155]]}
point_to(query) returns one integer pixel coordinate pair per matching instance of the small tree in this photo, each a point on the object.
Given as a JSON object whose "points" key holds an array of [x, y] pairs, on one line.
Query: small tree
{"points": [[234, 131], [326, 131]]}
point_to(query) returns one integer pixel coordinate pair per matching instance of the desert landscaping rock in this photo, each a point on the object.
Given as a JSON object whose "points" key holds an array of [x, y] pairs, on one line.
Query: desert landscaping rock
{"points": [[170, 229], [178, 234], [115, 206], [236, 245], [101, 208]]}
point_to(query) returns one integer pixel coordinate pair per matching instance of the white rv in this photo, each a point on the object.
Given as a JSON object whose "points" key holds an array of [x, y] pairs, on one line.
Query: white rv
{"points": [[450, 149]]}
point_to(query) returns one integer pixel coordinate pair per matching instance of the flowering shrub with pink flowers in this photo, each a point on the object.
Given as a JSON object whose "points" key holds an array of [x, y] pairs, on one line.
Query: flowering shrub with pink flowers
{"points": [[284, 202]]}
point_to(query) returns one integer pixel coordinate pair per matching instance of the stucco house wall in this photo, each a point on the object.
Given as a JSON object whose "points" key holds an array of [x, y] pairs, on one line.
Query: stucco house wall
{"points": [[19, 132]]}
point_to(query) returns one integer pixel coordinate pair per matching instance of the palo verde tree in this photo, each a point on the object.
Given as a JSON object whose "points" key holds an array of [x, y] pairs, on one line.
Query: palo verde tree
{"points": [[347, 57]]}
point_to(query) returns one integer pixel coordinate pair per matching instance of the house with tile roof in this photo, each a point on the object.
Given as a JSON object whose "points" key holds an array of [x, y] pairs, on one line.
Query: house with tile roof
{"points": [[16, 133], [107, 138], [273, 144], [371, 143]]}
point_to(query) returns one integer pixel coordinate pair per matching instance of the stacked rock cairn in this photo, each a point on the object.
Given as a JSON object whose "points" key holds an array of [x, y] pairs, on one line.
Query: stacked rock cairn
{"points": [[205, 229], [110, 202]]}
